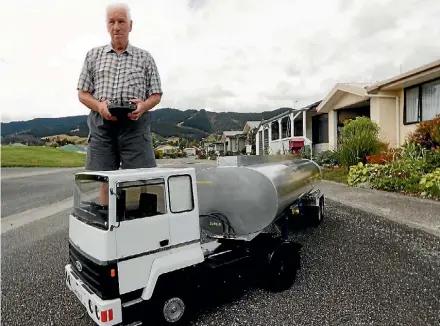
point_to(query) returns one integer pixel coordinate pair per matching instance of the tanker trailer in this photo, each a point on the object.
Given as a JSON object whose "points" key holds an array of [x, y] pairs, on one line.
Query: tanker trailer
{"points": [[243, 195]]}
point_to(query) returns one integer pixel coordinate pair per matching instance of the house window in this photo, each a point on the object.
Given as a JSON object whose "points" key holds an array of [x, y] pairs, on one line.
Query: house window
{"points": [[320, 129], [422, 102], [286, 127], [298, 128], [275, 130]]}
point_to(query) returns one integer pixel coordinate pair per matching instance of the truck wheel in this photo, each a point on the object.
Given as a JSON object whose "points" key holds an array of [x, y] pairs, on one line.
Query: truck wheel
{"points": [[172, 310], [282, 268]]}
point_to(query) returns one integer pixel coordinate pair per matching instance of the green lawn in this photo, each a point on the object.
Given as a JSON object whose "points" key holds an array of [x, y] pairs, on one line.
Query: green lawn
{"points": [[37, 156], [338, 174]]}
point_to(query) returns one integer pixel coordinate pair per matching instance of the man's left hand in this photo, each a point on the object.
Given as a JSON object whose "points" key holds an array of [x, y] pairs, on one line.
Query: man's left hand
{"points": [[141, 108]]}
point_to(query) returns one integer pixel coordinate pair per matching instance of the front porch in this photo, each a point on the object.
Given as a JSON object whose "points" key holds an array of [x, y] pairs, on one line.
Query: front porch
{"points": [[234, 142], [286, 133], [351, 112], [344, 103]]}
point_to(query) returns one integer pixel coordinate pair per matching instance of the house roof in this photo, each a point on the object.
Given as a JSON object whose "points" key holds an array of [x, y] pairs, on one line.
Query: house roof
{"points": [[282, 115], [165, 146], [231, 133], [252, 124], [249, 125], [418, 75], [213, 143], [338, 91], [309, 107]]}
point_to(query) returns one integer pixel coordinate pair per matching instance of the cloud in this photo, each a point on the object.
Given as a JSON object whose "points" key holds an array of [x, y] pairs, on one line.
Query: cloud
{"points": [[247, 55]]}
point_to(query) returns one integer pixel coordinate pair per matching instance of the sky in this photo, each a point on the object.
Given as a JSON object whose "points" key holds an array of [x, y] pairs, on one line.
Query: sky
{"points": [[228, 55]]}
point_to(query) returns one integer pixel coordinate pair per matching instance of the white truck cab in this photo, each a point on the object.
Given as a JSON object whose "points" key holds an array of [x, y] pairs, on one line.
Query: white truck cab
{"points": [[150, 227], [141, 258]]}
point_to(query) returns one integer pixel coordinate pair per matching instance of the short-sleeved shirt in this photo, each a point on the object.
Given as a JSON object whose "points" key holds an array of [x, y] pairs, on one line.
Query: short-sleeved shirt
{"points": [[108, 75]]}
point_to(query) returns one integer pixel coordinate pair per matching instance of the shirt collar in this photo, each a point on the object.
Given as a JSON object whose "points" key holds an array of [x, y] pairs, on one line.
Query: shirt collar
{"points": [[129, 49]]}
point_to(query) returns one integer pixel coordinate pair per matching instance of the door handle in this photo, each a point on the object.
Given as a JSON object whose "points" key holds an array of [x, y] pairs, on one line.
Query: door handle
{"points": [[164, 243]]}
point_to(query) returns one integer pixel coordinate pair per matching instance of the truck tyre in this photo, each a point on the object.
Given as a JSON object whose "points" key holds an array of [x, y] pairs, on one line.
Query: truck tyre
{"points": [[171, 309], [281, 268], [317, 218]]}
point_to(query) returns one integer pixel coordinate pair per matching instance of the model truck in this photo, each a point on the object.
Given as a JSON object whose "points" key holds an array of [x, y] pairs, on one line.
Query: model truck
{"points": [[141, 250]]}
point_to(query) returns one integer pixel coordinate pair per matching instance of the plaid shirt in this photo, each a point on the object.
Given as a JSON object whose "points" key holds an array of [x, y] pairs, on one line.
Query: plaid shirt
{"points": [[120, 77]]}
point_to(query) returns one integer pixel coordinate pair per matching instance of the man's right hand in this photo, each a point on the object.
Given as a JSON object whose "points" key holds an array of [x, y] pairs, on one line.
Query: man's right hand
{"points": [[103, 111]]}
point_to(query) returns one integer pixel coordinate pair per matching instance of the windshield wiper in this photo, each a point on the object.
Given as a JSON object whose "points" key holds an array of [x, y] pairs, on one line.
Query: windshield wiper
{"points": [[102, 223], [96, 223]]}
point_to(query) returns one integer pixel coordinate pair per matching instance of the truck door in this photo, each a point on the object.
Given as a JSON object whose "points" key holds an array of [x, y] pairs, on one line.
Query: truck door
{"points": [[143, 233]]}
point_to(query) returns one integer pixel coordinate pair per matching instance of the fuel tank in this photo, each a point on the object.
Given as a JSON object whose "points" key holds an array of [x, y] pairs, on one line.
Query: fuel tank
{"points": [[248, 193]]}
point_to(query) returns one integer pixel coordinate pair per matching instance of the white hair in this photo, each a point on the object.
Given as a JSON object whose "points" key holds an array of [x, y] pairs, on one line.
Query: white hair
{"points": [[119, 6]]}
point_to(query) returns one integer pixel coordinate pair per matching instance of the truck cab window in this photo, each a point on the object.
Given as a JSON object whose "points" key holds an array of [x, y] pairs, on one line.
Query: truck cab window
{"points": [[87, 204], [140, 199], [180, 194]]}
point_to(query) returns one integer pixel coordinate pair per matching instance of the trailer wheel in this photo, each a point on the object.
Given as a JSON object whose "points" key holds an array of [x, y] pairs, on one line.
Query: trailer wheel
{"points": [[282, 267], [319, 215]]}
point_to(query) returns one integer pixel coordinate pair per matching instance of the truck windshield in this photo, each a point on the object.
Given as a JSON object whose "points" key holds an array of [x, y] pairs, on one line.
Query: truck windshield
{"points": [[87, 205]]}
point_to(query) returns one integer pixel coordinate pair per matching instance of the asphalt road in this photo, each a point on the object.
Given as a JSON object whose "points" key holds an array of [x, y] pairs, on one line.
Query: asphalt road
{"points": [[27, 188], [20, 194], [357, 269]]}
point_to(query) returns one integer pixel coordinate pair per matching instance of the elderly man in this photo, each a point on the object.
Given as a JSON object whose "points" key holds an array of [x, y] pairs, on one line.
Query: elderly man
{"points": [[120, 73]]}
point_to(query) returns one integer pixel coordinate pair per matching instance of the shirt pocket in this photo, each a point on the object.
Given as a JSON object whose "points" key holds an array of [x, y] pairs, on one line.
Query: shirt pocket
{"points": [[103, 78], [136, 81], [135, 77]]}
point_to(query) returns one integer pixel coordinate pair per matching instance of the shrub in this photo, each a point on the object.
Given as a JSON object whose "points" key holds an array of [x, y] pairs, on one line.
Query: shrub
{"points": [[359, 139], [416, 170], [430, 183], [432, 159], [328, 158], [427, 134], [361, 173], [305, 152], [158, 154], [401, 175], [429, 158], [381, 158]]}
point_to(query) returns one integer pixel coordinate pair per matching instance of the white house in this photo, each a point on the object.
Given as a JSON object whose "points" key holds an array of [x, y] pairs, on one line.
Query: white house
{"points": [[233, 141], [191, 151], [167, 149], [249, 130], [215, 146], [292, 130]]}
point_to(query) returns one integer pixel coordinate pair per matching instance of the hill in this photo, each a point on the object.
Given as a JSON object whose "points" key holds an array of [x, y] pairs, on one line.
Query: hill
{"points": [[167, 122]]}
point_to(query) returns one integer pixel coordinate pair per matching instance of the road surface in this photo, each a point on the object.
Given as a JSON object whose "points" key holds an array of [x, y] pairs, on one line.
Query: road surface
{"points": [[357, 269], [27, 188]]}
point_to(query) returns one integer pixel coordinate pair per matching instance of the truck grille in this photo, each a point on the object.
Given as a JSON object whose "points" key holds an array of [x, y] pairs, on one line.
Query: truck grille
{"points": [[96, 276]]}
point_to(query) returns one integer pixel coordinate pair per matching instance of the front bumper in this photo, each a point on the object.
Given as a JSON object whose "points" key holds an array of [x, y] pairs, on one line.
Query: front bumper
{"points": [[103, 312]]}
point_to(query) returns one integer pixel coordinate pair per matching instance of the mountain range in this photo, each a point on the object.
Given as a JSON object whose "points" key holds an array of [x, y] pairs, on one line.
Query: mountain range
{"points": [[166, 122]]}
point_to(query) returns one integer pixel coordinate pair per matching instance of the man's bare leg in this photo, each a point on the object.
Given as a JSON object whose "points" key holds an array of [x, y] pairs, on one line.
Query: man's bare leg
{"points": [[103, 194]]}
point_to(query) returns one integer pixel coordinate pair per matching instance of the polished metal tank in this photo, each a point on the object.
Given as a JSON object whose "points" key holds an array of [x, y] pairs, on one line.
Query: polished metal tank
{"points": [[251, 192]]}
